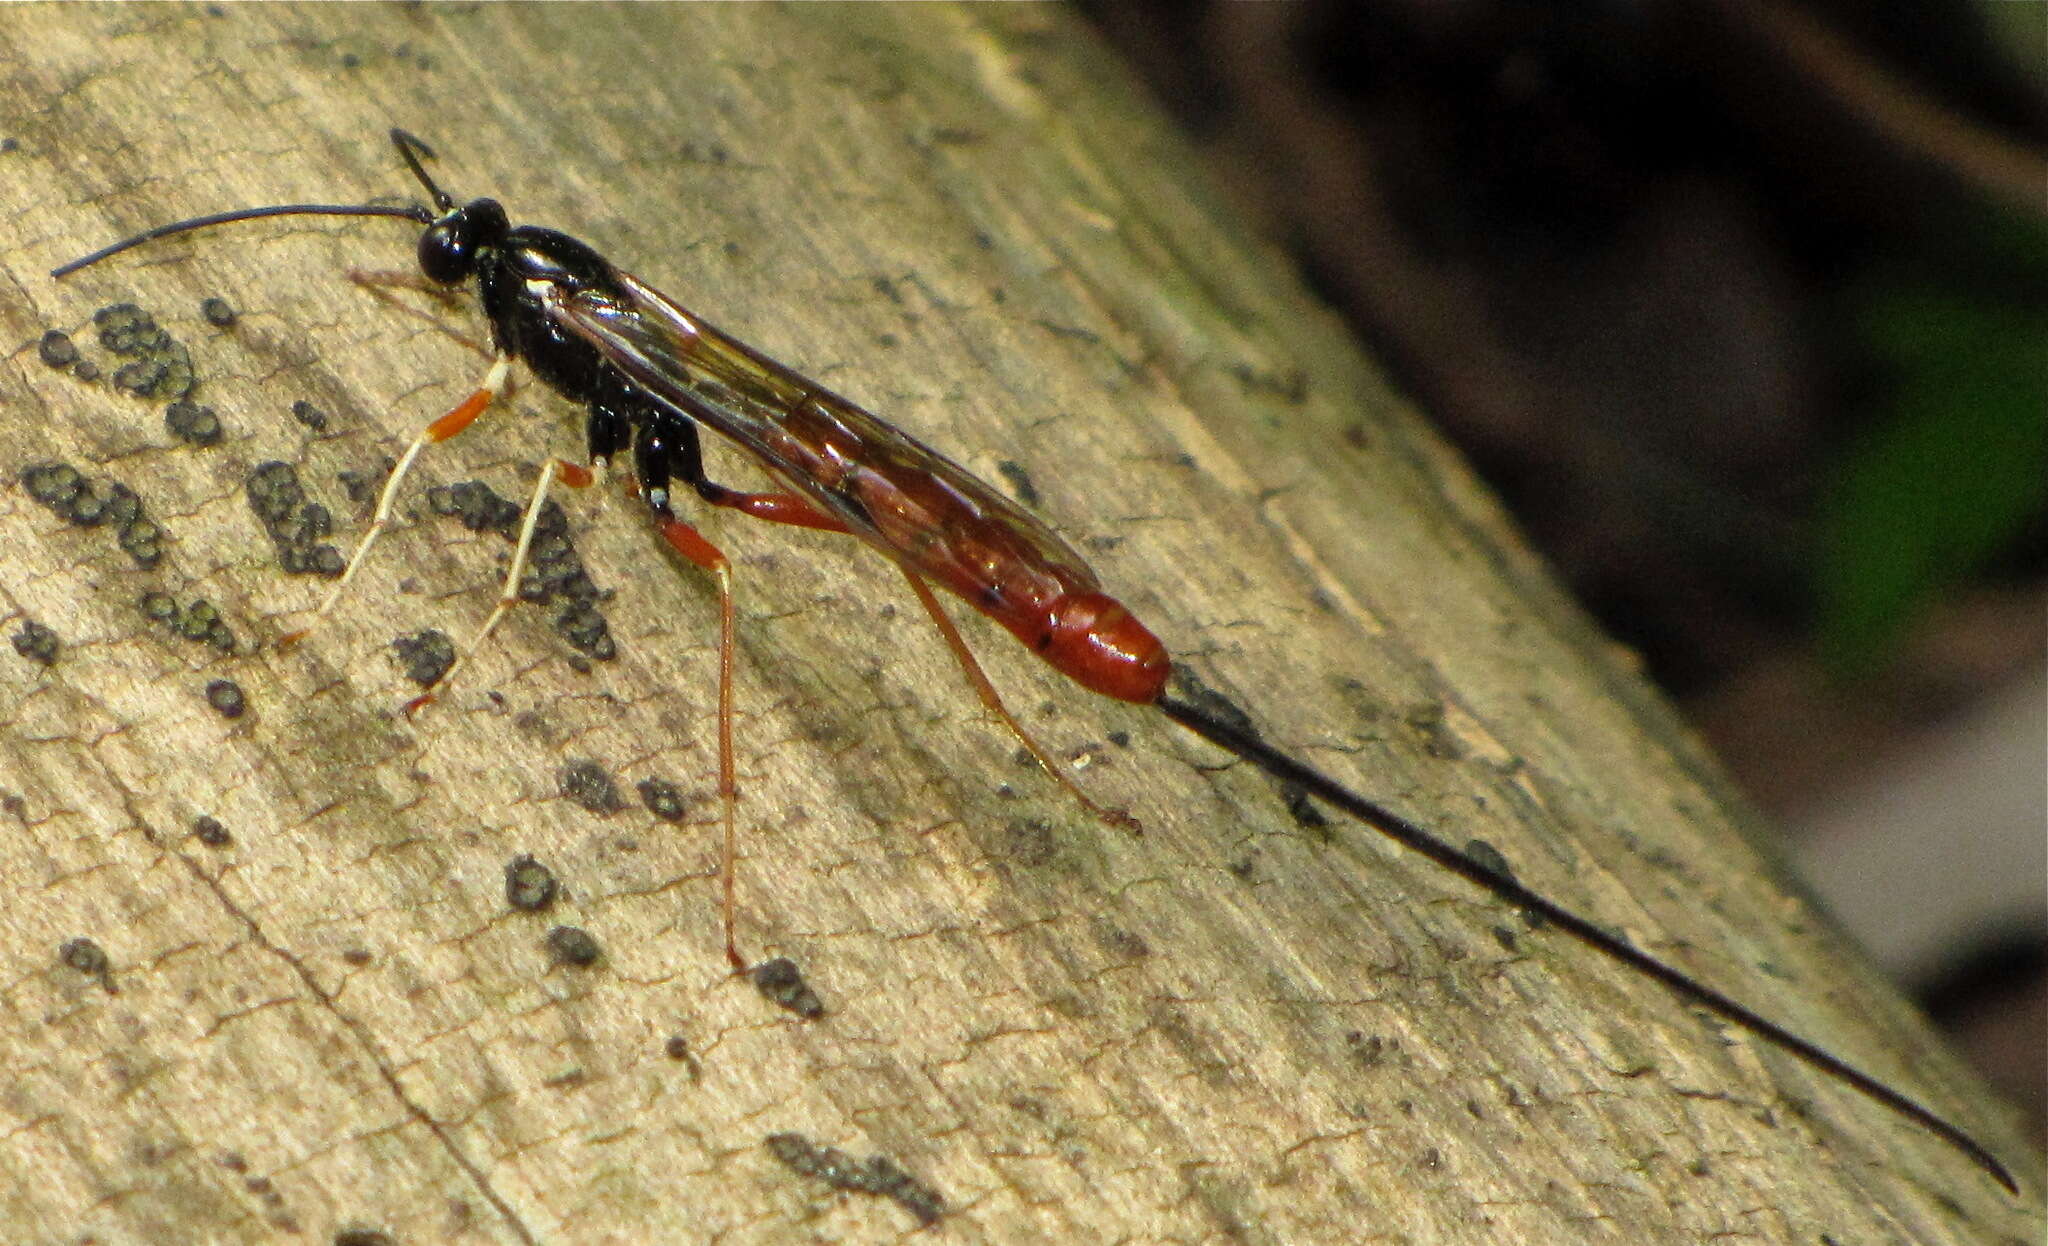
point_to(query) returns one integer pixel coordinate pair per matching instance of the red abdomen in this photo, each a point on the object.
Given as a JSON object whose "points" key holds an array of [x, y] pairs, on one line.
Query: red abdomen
{"points": [[1094, 641]]}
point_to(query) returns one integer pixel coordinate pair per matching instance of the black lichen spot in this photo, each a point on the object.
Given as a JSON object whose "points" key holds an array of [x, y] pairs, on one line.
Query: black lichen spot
{"points": [[10, 144], [554, 572], [225, 696], [1127, 944], [78, 500], [1368, 1051], [158, 607], [889, 1179], [1020, 482], [677, 1048], [35, 642], [309, 415], [363, 1237], [361, 487], [1301, 809], [142, 541], [424, 60], [1290, 386], [160, 367], [84, 955], [695, 152], [121, 506], [198, 621], [425, 656], [586, 630], [86, 370], [55, 485], [663, 799], [90, 959], [190, 422], [782, 983], [529, 885], [126, 329], [209, 831], [588, 784], [218, 312], [295, 526], [479, 509], [573, 946], [1426, 720], [1490, 857], [57, 350], [878, 1174], [356, 957]]}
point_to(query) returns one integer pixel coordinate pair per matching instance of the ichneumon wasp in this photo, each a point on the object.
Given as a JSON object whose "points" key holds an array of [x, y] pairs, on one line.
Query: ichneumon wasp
{"points": [[649, 372]]}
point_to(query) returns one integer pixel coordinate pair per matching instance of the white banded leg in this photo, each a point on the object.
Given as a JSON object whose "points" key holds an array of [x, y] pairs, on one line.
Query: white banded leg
{"points": [[464, 414], [575, 476]]}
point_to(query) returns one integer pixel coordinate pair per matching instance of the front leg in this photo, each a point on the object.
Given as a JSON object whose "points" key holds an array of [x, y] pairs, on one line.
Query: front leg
{"points": [[381, 282]]}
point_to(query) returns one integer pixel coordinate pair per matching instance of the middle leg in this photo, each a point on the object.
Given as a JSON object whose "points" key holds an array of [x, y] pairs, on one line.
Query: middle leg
{"points": [[662, 449], [682, 457], [607, 430], [575, 476]]}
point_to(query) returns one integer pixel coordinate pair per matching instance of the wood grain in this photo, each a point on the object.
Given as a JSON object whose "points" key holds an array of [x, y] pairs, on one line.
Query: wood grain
{"points": [[1246, 1026]]}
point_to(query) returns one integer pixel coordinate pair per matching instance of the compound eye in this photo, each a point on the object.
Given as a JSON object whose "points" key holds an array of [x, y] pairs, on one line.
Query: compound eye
{"points": [[446, 255]]}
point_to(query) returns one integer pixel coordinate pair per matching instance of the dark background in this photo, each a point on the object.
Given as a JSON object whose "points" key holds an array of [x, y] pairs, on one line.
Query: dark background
{"points": [[1743, 309]]}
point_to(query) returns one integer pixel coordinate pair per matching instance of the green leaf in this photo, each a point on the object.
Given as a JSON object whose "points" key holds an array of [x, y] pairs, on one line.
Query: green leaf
{"points": [[1956, 468]]}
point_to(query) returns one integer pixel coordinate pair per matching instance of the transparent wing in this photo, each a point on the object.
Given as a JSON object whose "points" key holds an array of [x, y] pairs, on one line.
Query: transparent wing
{"points": [[899, 494]]}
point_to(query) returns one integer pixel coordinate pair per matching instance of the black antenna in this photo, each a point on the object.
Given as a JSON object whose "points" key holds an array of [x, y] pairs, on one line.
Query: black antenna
{"points": [[1244, 742], [412, 148], [410, 211]]}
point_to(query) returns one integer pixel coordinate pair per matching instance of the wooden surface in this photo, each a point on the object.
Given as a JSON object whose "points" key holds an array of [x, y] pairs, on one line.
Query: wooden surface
{"points": [[1241, 1028]]}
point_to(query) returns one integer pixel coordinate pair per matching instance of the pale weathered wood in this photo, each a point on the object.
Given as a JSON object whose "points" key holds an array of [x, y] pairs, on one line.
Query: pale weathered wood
{"points": [[1239, 1028]]}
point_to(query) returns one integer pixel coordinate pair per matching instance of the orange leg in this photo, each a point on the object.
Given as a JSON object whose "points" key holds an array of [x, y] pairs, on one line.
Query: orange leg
{"points": [[788, 509], [782, 508], [464, 414], [691, 544], [989, 697]]}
